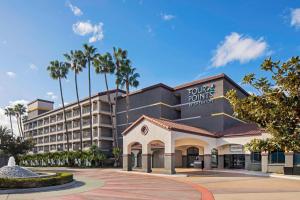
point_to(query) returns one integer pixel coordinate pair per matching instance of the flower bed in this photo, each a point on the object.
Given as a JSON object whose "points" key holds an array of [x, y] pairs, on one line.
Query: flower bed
{"points": [[36, 182]]}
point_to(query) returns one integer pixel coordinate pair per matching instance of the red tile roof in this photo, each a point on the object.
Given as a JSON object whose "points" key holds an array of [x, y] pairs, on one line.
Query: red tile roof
{"points": [[241, 130], [169, 125]]}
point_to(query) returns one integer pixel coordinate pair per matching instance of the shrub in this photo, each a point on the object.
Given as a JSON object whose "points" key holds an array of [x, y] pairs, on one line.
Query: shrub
{"points": [[36, 182], [93, 157]]}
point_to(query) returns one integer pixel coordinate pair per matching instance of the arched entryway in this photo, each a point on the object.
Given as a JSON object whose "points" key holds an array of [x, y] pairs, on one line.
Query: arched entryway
{"points": [[192, 154], [135, 158], [158, 154]]}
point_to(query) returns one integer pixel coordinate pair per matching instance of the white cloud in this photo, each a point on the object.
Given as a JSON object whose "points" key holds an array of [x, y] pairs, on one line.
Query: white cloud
{"points": [[295, 17], [51, 95], [76, 11], [21, 101], [237, 47], [33, 66], [60, 104], [86, 28], [167, 17], [4, 120], [11, 74]]}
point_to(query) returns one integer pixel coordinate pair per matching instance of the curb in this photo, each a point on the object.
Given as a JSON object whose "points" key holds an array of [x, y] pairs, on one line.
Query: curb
{"points": [[40, 189]]}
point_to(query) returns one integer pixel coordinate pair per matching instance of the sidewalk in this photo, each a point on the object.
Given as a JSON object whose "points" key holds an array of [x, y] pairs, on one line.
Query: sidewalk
{"points": [[257, 173]]}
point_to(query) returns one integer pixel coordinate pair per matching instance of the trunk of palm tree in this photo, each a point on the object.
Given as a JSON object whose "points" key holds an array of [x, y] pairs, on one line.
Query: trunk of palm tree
{"points": [[127, 103], [116, 98], [111, 111], [21, 125], [90, 100], [17, 117], [12, 131], [80, 114], [64, 112]]}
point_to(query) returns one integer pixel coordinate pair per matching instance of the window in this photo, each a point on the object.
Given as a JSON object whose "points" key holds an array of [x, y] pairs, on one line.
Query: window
{"points": [[255, 157], [214, 158], [276, 157], [297, 158]]}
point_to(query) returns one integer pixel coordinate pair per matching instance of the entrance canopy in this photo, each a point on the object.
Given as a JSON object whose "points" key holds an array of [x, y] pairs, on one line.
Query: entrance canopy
{"points": [[151, 134]]}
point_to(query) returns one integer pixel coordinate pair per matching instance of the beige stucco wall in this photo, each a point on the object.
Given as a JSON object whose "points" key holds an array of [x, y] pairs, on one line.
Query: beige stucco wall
{"points": [[155, 133], [179, 140]]}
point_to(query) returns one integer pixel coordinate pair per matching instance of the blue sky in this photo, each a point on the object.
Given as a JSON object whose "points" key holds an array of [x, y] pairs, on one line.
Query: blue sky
{"points": [[168, 41]]}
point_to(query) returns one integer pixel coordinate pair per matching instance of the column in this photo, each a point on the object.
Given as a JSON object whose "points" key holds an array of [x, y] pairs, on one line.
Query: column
{"points": [[170, 163], [184, 159], [127, 162], [289, 163], [220, 161], [146, 163], [135, 153], [264, 162], [248, 161], [207, 161]]}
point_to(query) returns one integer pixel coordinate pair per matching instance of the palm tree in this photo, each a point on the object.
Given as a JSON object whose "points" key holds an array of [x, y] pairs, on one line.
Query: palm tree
{"points": [[89, 55], [59, 70], [104, 65], [77, 63], [9, 111], [127, 78], [119, 57], [19, 110]]}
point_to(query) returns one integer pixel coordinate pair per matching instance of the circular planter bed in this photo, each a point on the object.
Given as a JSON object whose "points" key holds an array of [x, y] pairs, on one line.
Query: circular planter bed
{"points": [[35, 182]]}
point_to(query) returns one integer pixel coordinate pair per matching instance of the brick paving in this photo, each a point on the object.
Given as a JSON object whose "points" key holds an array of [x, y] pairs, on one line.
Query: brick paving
{"points": [[234, 186], [120, 186]]}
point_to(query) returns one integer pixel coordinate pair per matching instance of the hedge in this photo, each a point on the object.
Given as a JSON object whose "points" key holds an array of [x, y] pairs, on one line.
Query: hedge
{"points": [[21, 183], [91, 158]]}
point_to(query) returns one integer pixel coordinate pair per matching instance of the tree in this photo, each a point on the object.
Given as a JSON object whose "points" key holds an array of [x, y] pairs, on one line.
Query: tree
{"points": [[9, 112], [104, 65], [119, 56], [127, 77], [13, 146], [89, 55], [117, 151], [58, 71], [277, 107], [20, 110], [97, 156], [77, 63]]}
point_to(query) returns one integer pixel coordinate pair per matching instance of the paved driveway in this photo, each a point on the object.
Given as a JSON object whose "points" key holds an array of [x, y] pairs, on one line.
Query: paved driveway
{"points": [[233, 186], [110, 184]]}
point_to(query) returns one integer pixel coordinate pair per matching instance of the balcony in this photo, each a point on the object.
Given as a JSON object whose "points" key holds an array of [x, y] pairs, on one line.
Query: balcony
{"points": [[86, 134], [76, 124], [52, 119], [76, 113], [53, 129], [60, 137], [60, 127], [53, 139], [46, 130], [69, 115], [85, 110], [46, 139], [76, 135], [60, 147], [59, 117], [53, 147], [85, 122]]}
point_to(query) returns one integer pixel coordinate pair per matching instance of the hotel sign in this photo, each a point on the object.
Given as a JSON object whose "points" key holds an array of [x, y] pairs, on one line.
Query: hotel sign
{"points": [[201, 95], [236, 148]]}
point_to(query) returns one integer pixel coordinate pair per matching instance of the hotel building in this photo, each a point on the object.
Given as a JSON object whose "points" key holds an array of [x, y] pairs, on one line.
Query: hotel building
{"points": [[168, 127], [46, 125]]}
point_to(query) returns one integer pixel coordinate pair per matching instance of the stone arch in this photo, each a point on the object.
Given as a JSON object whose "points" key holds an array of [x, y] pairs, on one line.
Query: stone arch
{"points": [[157, 149]]}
